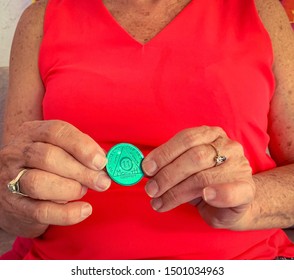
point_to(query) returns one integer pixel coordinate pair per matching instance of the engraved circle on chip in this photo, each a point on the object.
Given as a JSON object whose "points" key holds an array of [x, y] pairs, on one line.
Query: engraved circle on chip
{"points": [[126, 163]]}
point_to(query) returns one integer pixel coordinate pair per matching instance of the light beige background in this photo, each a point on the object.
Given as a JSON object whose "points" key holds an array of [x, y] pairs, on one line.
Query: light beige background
{"points": [[10, 11]]}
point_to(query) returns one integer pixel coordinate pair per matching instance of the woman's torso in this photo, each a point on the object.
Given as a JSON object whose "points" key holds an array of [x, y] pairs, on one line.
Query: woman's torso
{"points": [[208, 66]]}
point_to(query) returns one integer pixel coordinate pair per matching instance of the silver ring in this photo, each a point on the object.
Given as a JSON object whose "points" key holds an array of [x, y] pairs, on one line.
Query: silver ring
{"points": [[218, 159], [14, 186]]}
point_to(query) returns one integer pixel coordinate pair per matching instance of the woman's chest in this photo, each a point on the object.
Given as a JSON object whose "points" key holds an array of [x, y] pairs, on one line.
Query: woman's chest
{"points": [[143, 21]]}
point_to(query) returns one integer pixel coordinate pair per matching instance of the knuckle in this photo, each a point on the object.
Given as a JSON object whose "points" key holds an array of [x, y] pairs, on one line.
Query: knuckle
{"points": [[47, 157], [47, 130], [172, 198], [69, 214], [198, 155], [88, 149], [87, 176], [38, 154], [245, 166], [32, 181], [66, 217], [54, 129], [164, 156], [41, 213], [85, 145], [237, 147], [29, 128], [76, 191], [45, 214], [60, 129], [163, 179], [188, 137], [229, 197], [203, 179], [219, 130]]}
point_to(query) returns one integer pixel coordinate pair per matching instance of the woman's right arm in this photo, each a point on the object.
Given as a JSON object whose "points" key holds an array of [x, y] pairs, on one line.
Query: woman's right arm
{"points": [[25, 93], [62, 162]]}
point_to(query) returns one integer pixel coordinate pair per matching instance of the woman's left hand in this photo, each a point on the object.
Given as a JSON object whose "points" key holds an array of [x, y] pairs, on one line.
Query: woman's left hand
{"points": [[184, 169]]}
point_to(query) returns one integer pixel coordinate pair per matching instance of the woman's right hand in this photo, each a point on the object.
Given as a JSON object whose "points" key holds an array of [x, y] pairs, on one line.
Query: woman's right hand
{"points": [[62, 163]]}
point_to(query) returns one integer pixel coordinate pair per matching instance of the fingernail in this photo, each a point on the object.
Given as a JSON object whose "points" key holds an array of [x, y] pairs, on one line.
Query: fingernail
{"points": [[149, 167], [209, 194], [103, 182], [156, 203], [99, 161], [151, 188], [86, 211]]}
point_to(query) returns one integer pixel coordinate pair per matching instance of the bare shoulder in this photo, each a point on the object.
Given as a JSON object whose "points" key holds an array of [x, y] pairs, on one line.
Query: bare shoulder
{"points": [[33, 15], [277, 23], [37, 7], [29, 31]]}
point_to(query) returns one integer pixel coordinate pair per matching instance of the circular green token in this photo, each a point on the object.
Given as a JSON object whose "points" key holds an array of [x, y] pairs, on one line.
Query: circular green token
{"points": [[124, 164]]}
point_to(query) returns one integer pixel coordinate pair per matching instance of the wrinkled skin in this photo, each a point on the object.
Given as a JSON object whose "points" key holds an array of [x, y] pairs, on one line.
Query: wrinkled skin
{"points": [[183, 170], [62, 164]]}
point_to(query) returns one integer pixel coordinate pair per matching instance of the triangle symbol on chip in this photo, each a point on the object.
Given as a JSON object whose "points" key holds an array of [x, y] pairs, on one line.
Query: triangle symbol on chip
{"points": [[127, 164]]}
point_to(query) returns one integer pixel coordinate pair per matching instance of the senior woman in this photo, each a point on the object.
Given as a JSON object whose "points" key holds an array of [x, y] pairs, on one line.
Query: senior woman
{"points": [[202, 89]]}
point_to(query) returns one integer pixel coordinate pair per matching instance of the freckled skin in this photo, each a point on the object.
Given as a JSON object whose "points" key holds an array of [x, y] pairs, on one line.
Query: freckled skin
{"points": [[144, 22]]}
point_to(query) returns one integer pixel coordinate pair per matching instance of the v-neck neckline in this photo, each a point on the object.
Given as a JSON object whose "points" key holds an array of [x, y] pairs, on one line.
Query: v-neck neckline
{"points": [[157, 36]]}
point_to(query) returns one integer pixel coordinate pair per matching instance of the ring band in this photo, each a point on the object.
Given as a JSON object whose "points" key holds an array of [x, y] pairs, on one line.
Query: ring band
{"points": [[218, 159], [14, 186]]}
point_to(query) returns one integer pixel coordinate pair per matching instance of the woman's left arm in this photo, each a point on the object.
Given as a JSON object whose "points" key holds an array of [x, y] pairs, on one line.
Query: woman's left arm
{"points": [[274, 201]]}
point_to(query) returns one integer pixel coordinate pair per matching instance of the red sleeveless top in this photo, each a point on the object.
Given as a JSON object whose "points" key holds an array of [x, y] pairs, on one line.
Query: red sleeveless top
{"points": [[210, 66]]}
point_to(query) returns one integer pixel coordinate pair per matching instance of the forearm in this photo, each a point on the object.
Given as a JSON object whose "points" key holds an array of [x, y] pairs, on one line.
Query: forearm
{"points": [[274, 200]]}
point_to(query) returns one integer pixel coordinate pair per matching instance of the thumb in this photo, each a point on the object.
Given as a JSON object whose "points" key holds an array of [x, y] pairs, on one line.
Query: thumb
{"points": [[229, 195]]}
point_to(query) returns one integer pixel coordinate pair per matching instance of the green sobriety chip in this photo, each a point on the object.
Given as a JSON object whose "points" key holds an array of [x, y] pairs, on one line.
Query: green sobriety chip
{"points": [[124, 164]]}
